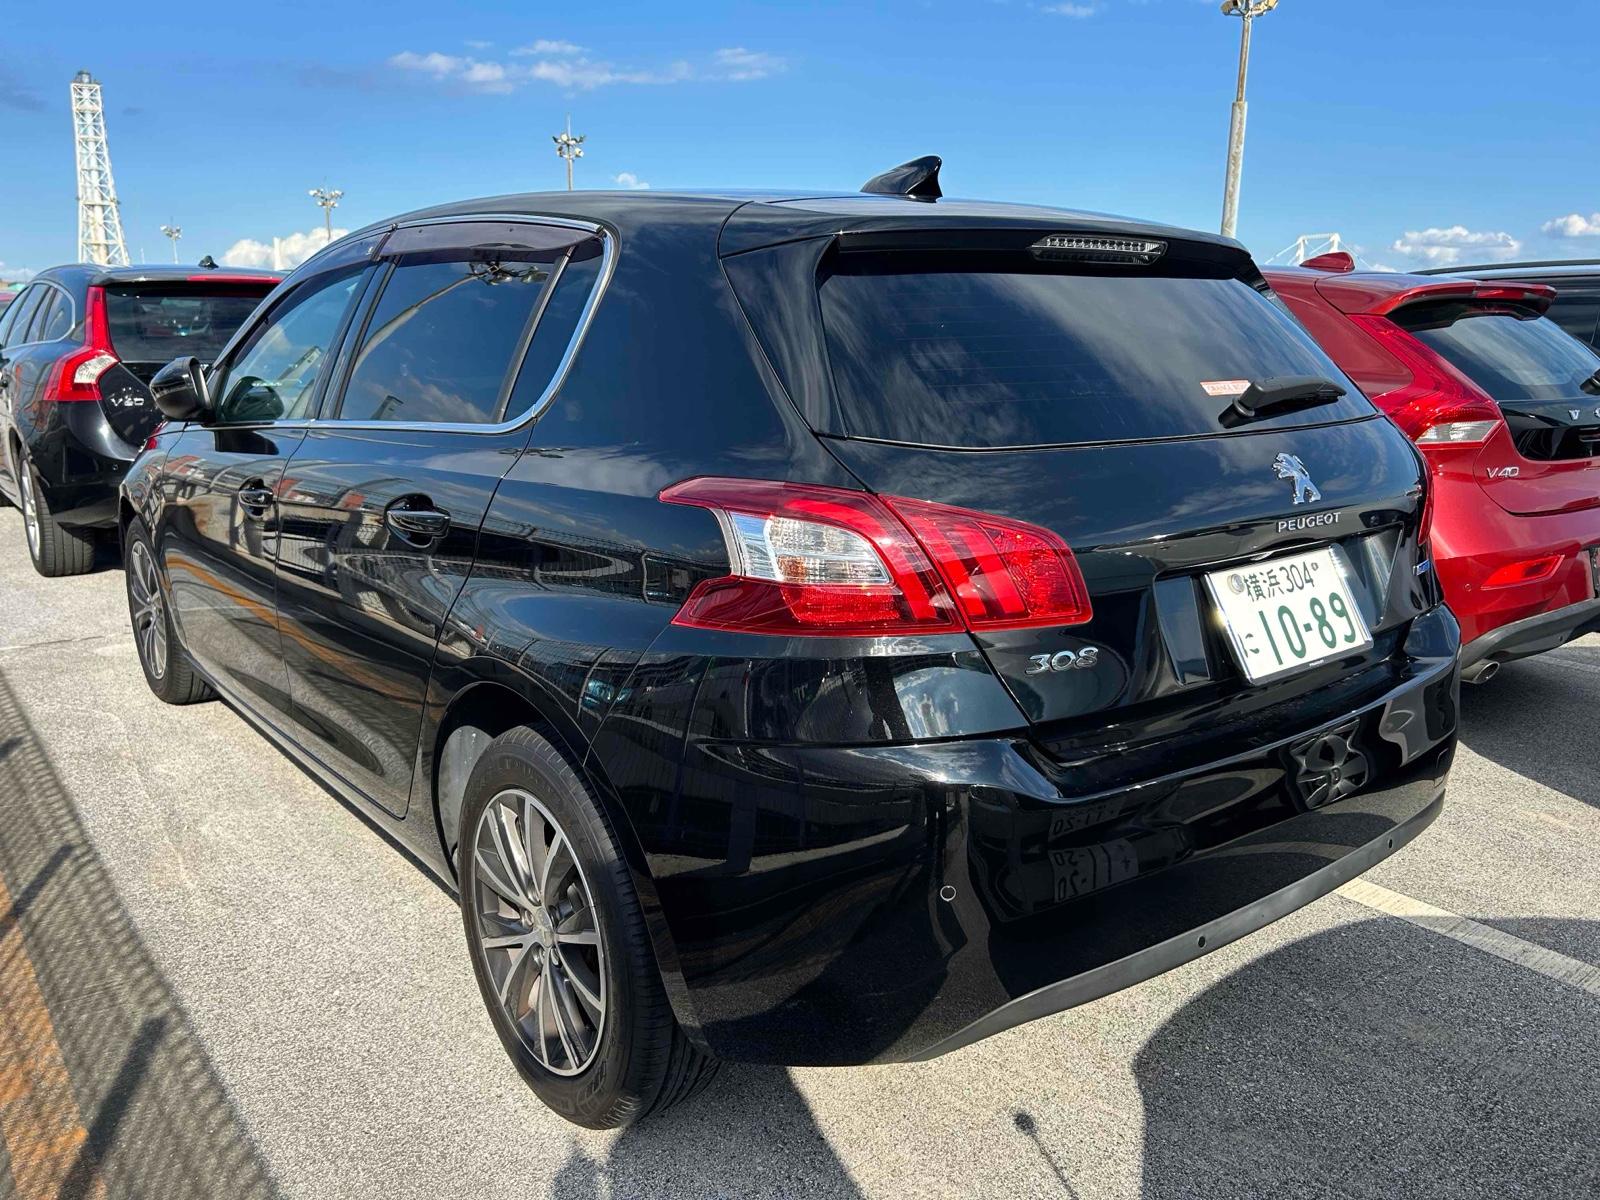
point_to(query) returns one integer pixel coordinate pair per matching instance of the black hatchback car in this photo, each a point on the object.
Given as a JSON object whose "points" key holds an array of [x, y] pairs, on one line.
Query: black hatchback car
{"points": [[77, 349], [815, 630]]}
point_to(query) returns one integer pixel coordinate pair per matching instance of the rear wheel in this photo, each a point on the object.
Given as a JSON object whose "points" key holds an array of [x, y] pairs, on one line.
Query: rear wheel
{"points": [[55, 549], [166, 664], [559, 946]]}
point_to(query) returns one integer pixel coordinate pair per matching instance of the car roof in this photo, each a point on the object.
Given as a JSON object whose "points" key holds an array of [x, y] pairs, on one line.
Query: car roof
{"points": [[1381, 292], [1552, 268], [748, 219], [96, 275]]}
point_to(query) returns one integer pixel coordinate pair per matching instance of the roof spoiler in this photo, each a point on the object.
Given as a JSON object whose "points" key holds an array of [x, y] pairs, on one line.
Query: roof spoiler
{"points": [[915, 180]]}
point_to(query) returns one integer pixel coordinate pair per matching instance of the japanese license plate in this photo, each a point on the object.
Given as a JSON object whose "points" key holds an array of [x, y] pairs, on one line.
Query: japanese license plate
{"points": [[1288, 613]]}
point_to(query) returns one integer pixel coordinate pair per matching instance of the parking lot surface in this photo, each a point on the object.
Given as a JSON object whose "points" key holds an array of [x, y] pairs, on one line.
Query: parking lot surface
{"points": [[216, 980]]}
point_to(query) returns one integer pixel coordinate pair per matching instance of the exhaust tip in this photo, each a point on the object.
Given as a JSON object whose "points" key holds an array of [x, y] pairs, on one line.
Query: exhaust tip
{"points": [[1481, 672]]}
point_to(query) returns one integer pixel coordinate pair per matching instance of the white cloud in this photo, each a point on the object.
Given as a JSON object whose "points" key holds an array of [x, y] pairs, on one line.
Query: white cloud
{"points": [[627, 179], [569, 67], [292, 250], [10, 274], [548, 46], [1574, 225], [737, 63], [1436, 247], [1071, 10]]}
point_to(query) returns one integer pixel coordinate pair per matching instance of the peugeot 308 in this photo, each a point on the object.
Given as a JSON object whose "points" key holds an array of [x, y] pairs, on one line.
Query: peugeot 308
{"points": [[817, 630]]}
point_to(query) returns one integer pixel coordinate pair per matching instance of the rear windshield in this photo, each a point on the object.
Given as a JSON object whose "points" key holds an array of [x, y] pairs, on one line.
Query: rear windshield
{"points": [[939, 352], [1510, 353], [159, 323]]}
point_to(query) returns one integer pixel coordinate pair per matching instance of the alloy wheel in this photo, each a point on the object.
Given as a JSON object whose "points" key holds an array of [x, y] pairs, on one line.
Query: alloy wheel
{"points": [[540, 934], [149, 609], [30, 507]]}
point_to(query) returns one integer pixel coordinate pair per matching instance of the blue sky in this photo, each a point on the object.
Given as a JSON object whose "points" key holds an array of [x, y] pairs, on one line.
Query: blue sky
{"points": [[1423, 131]]}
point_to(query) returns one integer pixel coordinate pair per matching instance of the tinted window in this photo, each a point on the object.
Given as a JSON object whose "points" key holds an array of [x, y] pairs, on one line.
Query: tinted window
{"points": [[551, 337], [443, 339], [940, 352], [1579, 314], [273, 372], [54, 319], [158, 324], [8, 314], [1508, 353], [26, 305]]}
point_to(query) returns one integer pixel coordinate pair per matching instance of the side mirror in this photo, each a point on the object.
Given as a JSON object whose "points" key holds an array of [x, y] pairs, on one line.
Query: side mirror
{"points": [[179, 390]]}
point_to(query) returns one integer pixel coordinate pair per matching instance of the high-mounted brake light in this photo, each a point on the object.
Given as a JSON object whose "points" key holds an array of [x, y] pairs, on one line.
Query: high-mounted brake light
{"points": [[1439, 408], [814, 560], [1094, 248], [77, 376]]}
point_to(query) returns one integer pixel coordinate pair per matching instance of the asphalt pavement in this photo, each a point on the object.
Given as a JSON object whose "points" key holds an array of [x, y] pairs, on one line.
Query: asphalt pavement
{"points": [[216, 980]]}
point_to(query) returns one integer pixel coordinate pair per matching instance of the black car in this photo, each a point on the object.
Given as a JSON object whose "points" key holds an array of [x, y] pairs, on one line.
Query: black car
{"points": [[77, 350], [809, 630], [1576, 307]]}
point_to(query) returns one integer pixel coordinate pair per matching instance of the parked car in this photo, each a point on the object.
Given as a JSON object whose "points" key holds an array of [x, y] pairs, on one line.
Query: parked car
{"points": [[813, 630], [77, 350], [1505, 406], [1576, 307]]}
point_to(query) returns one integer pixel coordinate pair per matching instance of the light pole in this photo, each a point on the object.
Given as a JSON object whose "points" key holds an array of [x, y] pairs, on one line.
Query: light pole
{"points": [[327, 201], [568, 147], [1247, 11], [174, 232]]}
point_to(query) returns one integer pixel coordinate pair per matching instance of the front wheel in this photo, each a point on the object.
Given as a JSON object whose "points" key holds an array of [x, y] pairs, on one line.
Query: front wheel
{"points": [[559, 946], [166, 664]]}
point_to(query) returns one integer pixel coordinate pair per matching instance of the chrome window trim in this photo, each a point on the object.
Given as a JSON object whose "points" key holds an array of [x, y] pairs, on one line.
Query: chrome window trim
{"points": [[608, 257]]}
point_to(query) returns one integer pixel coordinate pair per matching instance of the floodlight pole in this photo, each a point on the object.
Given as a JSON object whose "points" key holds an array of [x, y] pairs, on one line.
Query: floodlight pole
{"points": [[327, 201], [174, 232], [568, 147], [1247, 11]]}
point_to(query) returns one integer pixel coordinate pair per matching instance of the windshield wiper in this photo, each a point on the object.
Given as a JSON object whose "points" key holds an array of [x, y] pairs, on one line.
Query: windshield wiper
{"points": [[1281, 394]]}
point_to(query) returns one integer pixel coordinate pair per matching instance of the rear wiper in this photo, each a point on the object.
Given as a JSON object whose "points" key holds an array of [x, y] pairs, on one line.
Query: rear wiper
{"points": [[1592, 384], [1281, 394]]}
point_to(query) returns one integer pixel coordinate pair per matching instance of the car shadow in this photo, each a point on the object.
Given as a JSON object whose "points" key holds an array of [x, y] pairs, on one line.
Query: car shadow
{"points": [[121, 1098], [1375, 1060], [1533, 705], [750, 1134]]}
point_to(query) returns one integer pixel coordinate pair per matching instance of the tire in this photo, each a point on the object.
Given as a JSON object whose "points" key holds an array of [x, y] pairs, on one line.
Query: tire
{"points": [[597, 1069], [167, 669], [55, 549]]}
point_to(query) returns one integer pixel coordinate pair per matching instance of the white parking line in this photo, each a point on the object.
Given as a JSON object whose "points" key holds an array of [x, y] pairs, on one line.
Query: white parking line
{"points": [[1571, 971]]}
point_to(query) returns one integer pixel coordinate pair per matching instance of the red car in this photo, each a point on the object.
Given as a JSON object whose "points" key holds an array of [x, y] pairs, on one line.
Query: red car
{"points": [[1505, 407]]}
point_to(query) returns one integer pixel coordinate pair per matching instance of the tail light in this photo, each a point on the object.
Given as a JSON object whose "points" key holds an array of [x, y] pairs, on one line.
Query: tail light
{"points": [[77, 376], [814, 560], [1440, 407]]}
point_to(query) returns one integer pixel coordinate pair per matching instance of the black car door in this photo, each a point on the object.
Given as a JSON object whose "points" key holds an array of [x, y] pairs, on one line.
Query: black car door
{"points": [[220, 524], [386, 496]]}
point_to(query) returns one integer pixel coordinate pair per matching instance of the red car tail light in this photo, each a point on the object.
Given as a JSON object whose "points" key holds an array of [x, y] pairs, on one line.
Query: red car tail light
{"points": [[1439, 408], [815, 560], [1005, 574], [77, 376], [1530, 571]]}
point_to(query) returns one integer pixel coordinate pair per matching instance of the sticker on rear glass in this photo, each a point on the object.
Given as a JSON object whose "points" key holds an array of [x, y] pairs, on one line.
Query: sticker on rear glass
{"points": [[1225, 387]]}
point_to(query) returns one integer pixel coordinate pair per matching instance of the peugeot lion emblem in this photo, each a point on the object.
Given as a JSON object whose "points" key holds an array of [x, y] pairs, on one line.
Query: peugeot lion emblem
{"points": [[1289, 466]]}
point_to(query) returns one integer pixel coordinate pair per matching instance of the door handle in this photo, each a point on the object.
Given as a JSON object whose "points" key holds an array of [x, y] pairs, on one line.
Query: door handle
{"points": [[417, 524], [256, 497]]}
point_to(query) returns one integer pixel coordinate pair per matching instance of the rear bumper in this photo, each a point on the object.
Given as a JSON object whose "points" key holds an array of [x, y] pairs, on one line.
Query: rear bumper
{"points": [[930, 894], [1533, 635], [1473, 537], [80, 463]]}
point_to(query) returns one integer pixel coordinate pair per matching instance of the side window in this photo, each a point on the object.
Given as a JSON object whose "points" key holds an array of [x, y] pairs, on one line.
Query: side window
{"points": [[445, 336], [26, 305], [8, 316], [273, 373], [558, 322], [55, 317]]}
